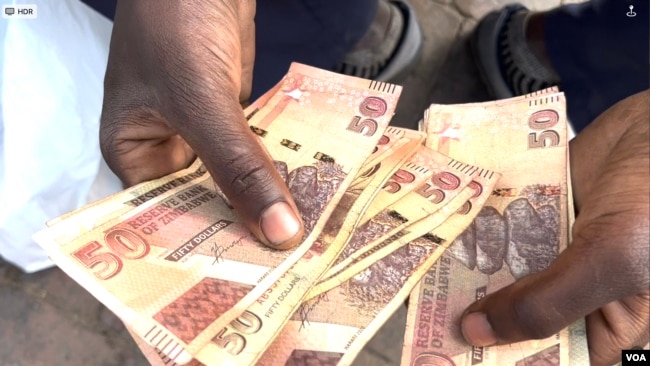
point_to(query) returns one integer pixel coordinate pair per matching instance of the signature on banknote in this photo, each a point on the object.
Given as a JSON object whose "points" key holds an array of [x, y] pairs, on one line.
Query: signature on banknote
{"points": [[308, 307], [218, 250]]}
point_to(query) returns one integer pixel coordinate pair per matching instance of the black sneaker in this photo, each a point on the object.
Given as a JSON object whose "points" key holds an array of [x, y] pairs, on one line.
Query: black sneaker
{"points": [[506, 63]]}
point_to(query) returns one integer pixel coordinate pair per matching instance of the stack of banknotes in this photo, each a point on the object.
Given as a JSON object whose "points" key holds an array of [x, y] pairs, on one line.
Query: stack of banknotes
{"points": [[475, 200]]}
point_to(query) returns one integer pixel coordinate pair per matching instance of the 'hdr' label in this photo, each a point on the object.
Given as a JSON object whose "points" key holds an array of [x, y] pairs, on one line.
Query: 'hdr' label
{"points": [[19, 11]]}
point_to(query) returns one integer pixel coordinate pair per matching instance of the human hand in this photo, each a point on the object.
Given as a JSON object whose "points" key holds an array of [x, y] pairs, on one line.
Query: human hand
{"points": [[177, 73], [604, 273]]}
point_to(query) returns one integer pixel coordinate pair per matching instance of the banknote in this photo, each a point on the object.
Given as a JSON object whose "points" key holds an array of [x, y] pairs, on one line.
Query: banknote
{"points": [[394, 142], [429, 180], [407, 178], [332, 328], [390, 143], [93, 214], [188, 247], [392, 139], [245, 339], [436, 199], [521, 229], [155, 356]]}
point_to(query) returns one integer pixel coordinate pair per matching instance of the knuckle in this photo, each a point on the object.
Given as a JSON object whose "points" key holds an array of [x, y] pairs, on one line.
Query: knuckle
{"points": [[108, 132], [250, 177]]}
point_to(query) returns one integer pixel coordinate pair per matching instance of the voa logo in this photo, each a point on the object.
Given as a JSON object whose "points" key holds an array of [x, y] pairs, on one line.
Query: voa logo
{"points": [[635, 357]]}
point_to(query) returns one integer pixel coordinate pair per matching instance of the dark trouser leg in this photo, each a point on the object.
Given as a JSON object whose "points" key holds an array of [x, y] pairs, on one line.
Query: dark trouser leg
{"points": [[104, 7], [314, 32], [599, 53]]}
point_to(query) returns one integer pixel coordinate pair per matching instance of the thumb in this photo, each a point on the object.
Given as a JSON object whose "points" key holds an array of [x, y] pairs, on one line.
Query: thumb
{"points": [[578, 282], [185, 75], [243, 170]]}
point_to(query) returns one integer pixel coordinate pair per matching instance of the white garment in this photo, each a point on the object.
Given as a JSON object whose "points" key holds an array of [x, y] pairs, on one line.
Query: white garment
{"points": [[51, 87]]}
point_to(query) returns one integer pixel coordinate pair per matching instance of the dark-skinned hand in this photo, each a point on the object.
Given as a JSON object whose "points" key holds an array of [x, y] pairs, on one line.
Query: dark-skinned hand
{"points": [[604, 274], [177, 73]]}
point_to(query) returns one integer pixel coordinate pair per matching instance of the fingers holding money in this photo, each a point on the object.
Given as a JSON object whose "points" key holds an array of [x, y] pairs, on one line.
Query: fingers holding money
{"points": [[173, 89], [540, 305], [604, 274], [610, 288]]}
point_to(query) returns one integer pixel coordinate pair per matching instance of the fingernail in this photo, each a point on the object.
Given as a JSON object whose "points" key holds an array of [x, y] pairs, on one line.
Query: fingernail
{"points": [[477, 330], [279, 223]]}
